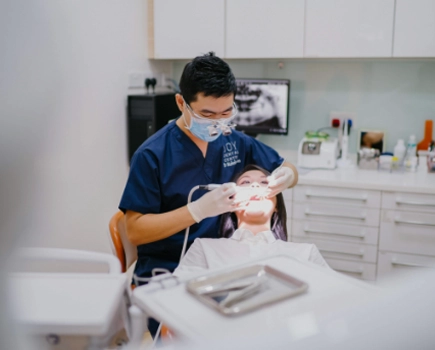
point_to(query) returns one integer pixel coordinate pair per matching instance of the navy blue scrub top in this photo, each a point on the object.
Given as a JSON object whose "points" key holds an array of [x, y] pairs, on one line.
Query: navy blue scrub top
{"points": [[167, 166]]}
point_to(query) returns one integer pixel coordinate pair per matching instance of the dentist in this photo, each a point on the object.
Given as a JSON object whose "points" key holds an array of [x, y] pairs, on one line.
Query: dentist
{"points": [[188, 152]]}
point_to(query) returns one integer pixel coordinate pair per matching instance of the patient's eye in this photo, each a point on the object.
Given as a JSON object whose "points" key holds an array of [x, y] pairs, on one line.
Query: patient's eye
{"points": [[245, 182], [265, 182]]}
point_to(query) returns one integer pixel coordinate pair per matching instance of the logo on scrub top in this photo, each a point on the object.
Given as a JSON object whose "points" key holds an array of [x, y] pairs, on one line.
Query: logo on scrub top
{"points": [[231, 154]]}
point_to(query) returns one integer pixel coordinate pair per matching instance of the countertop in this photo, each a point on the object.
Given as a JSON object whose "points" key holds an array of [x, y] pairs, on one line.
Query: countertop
{"points": [[418, 182]]}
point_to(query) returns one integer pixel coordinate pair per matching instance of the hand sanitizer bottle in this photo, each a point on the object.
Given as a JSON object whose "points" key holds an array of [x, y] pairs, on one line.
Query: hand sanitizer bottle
{"points": [[411, 154], [400, 151]]}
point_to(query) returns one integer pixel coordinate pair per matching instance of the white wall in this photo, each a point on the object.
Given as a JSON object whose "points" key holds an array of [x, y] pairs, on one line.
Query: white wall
{"points": [[65, 80]]}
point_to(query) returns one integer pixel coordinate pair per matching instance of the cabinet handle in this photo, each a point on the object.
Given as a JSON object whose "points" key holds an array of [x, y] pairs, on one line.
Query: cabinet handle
{"points": [[409, 222], [315, 213], [362, 198], [362, 235], [361, 253], [398, 201], [359, 272], [395, 262]]}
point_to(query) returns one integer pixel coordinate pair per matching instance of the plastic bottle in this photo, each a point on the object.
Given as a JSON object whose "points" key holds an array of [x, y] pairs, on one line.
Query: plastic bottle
{"points": [[411, 153], [400, 151]]}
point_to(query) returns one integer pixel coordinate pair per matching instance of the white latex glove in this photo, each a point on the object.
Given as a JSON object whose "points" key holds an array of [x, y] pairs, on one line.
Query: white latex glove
{"points": [[214, 203], [280, 180]]}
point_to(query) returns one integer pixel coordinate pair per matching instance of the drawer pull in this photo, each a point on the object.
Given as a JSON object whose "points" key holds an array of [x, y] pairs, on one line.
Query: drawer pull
{"points": [[359, 272], [398, 201], [315, 213], [361, 253], [395, 262], [362, 235], [409, 222], [318, 195]]}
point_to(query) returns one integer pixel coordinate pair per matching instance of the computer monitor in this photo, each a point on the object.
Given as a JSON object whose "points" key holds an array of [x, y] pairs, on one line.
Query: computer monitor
{"points": [[263, 106]]}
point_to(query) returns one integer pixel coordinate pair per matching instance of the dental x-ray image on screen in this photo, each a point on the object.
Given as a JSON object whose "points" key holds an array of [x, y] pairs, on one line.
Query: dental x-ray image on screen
{"points": [[263, 106]]}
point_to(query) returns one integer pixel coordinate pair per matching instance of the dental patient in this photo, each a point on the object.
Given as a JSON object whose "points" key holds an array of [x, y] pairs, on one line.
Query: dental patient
{"points": [[255, 230]]}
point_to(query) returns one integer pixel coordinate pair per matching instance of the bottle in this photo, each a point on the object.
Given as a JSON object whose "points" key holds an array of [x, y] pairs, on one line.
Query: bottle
{"points": [[411, 153], [400, 151]]}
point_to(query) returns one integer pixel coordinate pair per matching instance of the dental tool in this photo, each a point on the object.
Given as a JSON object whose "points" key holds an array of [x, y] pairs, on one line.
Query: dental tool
{"points": [[209, 187]]}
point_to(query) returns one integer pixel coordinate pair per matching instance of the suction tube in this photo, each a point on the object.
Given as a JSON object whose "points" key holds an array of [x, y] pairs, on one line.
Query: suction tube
{"points": [[209, 187]]}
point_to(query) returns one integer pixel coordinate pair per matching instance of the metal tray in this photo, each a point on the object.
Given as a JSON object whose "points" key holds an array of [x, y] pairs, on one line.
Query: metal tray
{"points": [[245, 289]]}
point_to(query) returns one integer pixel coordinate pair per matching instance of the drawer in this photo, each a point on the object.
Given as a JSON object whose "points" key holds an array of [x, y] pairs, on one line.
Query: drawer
{"points": [[407, 232], [389, 263], [335, 232], [363, 271], [336, 213], [409, 201], [344, 251], [337, 195]]}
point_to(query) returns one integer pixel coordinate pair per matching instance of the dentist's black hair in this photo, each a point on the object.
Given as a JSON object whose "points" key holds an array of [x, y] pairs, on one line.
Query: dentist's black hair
{"points": [[278, 224], [207, 74]]}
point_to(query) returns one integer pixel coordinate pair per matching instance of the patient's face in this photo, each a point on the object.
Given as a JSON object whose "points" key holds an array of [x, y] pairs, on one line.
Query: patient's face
{"points": [[252, 194]]}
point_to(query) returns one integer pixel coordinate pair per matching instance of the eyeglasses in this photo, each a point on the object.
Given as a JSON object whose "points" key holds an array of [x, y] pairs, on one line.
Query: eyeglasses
{"points": [[224, 124]]}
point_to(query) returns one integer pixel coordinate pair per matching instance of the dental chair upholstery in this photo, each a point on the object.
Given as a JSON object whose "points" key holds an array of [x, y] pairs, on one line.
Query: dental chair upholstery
{"points": [[126, 252], [121, 246]]}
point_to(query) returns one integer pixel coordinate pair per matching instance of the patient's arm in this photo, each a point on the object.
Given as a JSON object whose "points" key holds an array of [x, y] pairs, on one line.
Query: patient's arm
{"points": [[194, 261]]}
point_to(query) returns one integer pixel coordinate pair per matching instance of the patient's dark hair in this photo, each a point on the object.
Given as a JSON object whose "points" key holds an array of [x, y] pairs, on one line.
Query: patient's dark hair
{"points": [[207, 74], [278, 223]]}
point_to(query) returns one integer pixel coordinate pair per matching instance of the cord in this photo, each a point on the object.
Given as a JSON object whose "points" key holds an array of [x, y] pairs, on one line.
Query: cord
{"points": [[208, 187], [156, 338]]}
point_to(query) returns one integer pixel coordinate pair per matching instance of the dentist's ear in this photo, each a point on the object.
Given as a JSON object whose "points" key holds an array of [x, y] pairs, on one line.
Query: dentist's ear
{"points": [[180, 102]]}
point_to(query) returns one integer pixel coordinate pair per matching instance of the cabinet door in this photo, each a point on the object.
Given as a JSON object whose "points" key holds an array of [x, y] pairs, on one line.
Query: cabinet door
{"points": [[188, 28], [415, 202], [363, 271], [349, 28], [333, 232], [389, 263], [342, 251], [414, 28], [337, 195], [335, 214], [407, 232], [264, 28]]}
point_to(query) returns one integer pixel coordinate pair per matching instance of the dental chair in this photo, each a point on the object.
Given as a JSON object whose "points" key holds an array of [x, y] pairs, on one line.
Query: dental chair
{"points": [[126, 252], [121, 246]]}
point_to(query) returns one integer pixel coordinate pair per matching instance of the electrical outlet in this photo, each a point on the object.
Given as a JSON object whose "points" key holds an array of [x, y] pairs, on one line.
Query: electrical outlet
{"points": [[137, 79], [342, 116]]}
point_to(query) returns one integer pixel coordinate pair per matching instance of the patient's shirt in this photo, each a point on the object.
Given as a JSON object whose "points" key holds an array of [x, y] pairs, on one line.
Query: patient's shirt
{"points": [[243, 245]]}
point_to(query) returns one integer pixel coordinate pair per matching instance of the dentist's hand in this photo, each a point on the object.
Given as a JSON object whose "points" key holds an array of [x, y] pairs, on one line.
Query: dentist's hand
{"points": [[214, 203], [280, 180]]}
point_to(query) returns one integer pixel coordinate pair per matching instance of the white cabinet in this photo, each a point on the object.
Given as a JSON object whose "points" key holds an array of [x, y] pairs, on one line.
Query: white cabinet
{"points": [[349, 28], [358, 270], [389, 263], [407, 232], [342, 222], [264, 28], [414, 28], [186, 29]]}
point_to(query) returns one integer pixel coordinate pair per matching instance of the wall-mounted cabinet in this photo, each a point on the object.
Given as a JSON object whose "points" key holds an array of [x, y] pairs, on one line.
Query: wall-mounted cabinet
{"points": [[414, 34], [264, 28], [349, 28], [185, 29], [291, 28]]}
